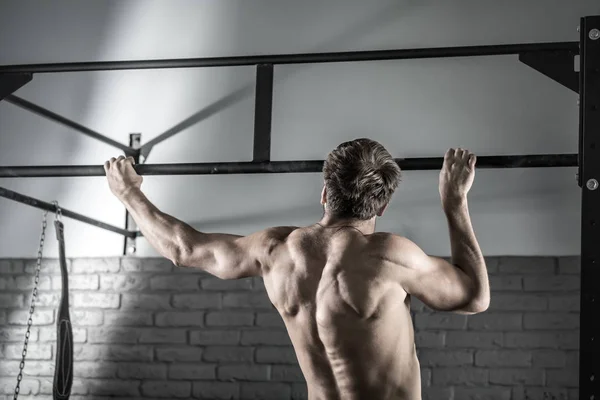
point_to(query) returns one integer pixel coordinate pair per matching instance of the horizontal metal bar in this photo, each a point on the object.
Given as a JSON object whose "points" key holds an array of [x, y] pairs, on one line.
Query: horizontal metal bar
{"points": [[30, 201], [279, 167], [310, 58], [34, 108]]}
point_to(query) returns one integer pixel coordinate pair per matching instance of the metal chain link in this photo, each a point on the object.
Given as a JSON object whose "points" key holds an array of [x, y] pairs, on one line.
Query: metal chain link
{"points": [[33, 298]]}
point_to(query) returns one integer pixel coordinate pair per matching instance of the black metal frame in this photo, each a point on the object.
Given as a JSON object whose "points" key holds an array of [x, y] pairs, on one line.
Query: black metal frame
{"points": [[555, 60]]}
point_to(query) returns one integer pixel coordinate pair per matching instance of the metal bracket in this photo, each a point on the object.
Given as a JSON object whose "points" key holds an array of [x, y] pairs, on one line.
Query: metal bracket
{"points": [[130, 245], [557, 65], [10, 83]]}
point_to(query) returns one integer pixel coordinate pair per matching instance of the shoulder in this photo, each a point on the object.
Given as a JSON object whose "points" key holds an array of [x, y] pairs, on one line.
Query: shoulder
{"points": [[396, 249]]}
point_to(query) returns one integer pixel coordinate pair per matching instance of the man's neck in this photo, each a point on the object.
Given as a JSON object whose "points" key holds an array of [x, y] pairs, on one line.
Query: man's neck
{"points": [[366, 227]]}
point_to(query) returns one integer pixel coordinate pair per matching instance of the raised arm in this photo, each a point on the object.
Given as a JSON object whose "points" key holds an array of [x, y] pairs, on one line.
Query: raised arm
{"points": [[463, 285], [222, 255]]}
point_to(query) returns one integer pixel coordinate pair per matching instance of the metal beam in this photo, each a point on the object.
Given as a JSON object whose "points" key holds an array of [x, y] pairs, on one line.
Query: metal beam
{"points": [[263, 110], [589, 109], [279, 167], [30, 201], [43, 112], [310, 58], [557, 65], [10, 83]]}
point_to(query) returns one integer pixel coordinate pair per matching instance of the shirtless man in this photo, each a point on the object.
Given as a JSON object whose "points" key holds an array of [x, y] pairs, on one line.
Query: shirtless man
{"points": [[342, 290]]}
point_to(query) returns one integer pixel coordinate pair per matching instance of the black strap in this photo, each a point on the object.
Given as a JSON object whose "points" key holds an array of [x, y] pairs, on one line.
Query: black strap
{"points": [[63, 370]]}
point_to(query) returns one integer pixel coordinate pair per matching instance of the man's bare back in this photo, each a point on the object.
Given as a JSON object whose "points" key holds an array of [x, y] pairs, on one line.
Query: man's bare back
{"points": [[343, 290], [339, 294]]}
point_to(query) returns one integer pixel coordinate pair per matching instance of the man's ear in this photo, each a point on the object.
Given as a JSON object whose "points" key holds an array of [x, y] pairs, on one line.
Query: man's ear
{"points": [[382, 210], [324, 196]]}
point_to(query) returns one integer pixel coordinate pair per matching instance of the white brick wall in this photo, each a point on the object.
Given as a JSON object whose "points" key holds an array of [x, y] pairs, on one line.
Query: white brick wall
{"points": [[145, 329]]}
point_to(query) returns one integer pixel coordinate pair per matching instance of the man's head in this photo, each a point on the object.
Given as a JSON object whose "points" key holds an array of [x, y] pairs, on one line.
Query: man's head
{"points": [[360, 178]]}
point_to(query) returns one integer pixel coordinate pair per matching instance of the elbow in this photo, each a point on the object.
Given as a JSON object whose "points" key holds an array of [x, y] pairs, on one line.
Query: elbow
{"points": [[479, 305]]}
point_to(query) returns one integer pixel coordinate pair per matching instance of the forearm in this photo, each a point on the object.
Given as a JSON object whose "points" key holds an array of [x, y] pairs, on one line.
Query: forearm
{"points": [[162, 231], [466, 253]]}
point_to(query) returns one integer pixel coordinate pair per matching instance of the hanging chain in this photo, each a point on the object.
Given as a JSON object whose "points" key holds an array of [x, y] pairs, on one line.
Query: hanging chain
{"points": [[34, 295]]}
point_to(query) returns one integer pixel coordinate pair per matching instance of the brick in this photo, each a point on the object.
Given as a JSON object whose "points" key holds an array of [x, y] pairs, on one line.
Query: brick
{"points": [[506, 283], [551, 321], [159, 336], [36, 367], [460, 376], [230, 318], [444, 321], [265, 391], [114, 352], [254, 300], [445, 358], [3, 318], [492, 264], [175, 282], [13, 266], [574, 394], [228, 354], [28, 386], [11, 300], [518, 302], [166, 389], [299, 391], [141, 371], [86, 317], [495, 321], [559, 283], [193, 371], [45, 299], [572, 359], [564, 303], [569, 265], [477, 340], [171, 354], [128, 318], [40, 317], [503, 358], [48, 334], [526, 265], [197, 300], [27, 283], [287, 373], [95, 300], [16, 335], [425, 376], [562, 378], [542, 340], [549, 359], [146, 301], [227, 285], [113, 334], [216, 390], [206, 337], [243, 372], [78, 282], [427, 339], [516, 376], [273, 337], [125, 283], [179, 318], [97, 369], [50, 266], [94, 265], [276, 355], [258, 284], [35, 351], [437, 393], [543, 393], [135, 264], [484, 393], [418, 305], [270, 320]]}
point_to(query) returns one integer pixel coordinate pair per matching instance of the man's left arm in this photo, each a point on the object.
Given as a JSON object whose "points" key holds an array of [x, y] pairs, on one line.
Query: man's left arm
{"points": [[222, 255]]}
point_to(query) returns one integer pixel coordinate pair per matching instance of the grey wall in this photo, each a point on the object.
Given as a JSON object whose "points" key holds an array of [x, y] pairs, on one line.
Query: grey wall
{"points": [[144, 329], [491, 105]]}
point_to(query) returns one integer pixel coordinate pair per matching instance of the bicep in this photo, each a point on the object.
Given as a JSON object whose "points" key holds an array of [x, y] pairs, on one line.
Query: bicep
{"points": [[437, 283]]}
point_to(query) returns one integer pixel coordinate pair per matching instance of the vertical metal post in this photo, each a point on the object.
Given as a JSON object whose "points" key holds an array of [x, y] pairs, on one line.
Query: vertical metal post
{"points": [[130, 247], [263, 110], [589, 108]]}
